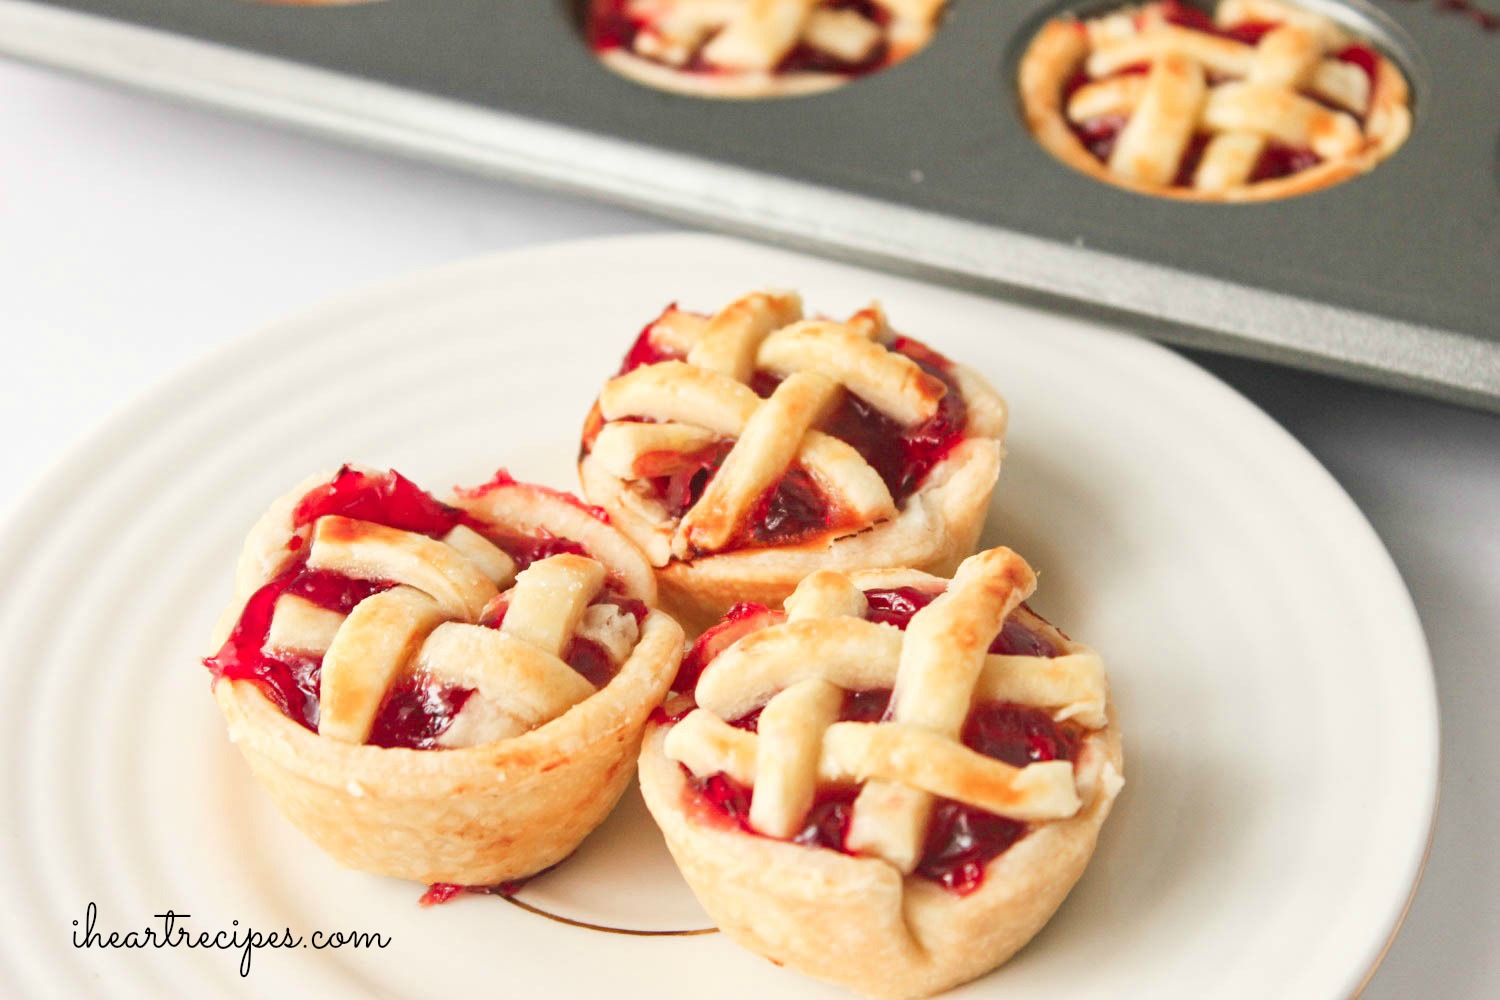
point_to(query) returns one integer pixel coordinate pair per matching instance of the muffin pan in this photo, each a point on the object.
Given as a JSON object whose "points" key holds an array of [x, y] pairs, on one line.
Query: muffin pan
{"points": [[925, 167]]}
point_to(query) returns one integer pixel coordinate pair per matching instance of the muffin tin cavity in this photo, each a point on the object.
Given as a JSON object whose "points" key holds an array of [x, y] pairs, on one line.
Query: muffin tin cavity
{"points": [[1240, 100], [755, 48]]}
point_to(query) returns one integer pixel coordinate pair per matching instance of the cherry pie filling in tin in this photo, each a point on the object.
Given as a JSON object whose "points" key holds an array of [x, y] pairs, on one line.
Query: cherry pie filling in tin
{"points": [[1259, 99]]}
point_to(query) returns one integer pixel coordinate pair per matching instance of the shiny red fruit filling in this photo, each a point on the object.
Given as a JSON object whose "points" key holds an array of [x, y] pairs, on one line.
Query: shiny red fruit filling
{"points": [[742, 619], [897, 606], [611, 26], [961, 840], [1277, 160], [416, 711], [796, 509], [904, 456], [387, 498]]}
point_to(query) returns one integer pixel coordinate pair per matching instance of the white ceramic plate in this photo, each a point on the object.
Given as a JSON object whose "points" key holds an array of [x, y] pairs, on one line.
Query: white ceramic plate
{"points": [[1271, 676]]}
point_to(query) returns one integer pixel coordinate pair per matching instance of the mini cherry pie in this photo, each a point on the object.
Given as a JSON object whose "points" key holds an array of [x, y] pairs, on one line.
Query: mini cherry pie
{"points": [[1262, 100], [744, 450], [446, 692], [892, 784], [756, 48]]}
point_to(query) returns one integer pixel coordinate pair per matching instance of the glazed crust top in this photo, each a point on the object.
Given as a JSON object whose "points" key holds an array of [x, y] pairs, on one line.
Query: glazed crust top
{"points": [[455, 610], [740, 48], [797, 672], [1194, 108], [671, 410]]}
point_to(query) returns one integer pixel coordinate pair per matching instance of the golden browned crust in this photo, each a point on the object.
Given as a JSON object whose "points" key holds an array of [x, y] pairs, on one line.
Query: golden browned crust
{"points": [[855, 921], [527, 510], [1061, 44], [473, 816], [935, 529]]}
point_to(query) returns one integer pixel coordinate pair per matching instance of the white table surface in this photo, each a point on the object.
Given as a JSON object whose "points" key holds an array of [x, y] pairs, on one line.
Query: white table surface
{"points": [[135, 235]]}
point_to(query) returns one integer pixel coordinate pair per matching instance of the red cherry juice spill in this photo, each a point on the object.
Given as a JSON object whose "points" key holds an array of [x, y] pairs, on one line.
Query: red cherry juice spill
{"points": [[445, 892], [415, 711]]}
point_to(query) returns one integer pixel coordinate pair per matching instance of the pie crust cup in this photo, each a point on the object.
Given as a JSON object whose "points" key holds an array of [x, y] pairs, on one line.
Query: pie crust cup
{"points": [[854, 921], [901, 44], [477, 815], [1055, 52], [935, 528]]}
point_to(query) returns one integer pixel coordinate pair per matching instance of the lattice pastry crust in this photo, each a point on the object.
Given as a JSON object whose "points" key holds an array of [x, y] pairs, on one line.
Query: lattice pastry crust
{"points": [[739, 48], [1213, 106], [862, 919], [535, 757], [703, 395]]}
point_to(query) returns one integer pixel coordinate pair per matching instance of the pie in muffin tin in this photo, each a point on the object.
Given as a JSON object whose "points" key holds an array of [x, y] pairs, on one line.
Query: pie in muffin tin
{"points": [[1260, 99]]}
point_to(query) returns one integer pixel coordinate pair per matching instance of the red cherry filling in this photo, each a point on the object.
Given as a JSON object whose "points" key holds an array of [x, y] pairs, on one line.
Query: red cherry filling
{"points": [[646, 350], [896, 607], [961, 840], [792, 510], [806, 59], [740, 621], [1277, 160], [682, 487], [416, 711], [796, 509], [526, 551], [904, 456], [610, 26], [585, 655]]}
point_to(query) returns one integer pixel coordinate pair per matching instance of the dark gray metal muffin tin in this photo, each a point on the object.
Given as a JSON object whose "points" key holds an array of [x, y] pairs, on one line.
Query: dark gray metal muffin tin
{"points": [[925, 168]]}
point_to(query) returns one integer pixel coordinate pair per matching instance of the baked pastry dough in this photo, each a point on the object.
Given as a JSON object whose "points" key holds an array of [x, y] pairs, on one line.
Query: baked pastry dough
{"points": [[893, 784], [744, 450], [445, 692], [756, 48], [1263, 100]]}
